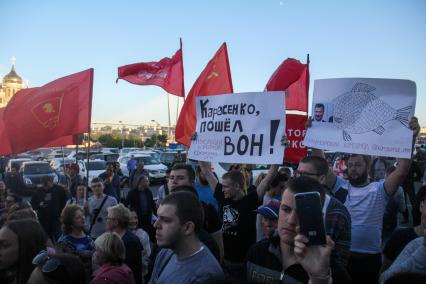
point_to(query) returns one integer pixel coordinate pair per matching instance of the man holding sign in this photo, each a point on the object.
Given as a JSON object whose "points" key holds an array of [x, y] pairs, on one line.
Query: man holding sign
{"points": [[238, 211], [370, 117], [242, 128]]}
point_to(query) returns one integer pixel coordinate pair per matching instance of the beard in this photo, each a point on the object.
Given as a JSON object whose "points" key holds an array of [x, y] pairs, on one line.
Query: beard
{"points": [[360, 180]]}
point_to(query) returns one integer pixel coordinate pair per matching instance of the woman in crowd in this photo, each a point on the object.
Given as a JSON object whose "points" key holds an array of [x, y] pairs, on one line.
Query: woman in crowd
{"points": [[58, 268], [144, 238], [20, 241], [21, 210], [74, 239], [109, 255], [80, 195], [141, 200]]}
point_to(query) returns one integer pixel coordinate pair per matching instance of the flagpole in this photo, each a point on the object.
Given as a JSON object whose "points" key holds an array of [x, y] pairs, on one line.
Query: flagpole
{"points": [[168, 113], [183, 81], [76, 150], [90, 129], [63, 157], [307, 84], [183, 87], [87, 158], [177, 110]]}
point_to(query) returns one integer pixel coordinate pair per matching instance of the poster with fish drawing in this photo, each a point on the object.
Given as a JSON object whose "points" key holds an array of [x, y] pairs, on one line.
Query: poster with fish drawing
{"points": [[363, 116]]}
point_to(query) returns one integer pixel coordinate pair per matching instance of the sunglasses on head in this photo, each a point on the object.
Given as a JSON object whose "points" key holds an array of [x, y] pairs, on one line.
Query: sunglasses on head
{"points": [[47, 263]]}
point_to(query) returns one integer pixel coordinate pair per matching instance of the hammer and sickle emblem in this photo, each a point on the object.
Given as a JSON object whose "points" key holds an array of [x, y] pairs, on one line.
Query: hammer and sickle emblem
{"points": [[48, 108], [213, 74]]}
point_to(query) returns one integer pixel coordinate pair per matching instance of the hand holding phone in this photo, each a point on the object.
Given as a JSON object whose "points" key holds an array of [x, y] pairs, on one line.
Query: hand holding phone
{"points": [[311, 221]]}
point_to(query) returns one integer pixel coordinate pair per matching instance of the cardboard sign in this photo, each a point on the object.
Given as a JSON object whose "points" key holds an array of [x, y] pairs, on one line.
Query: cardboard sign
{"points": [[240, 128], [363, 116]]}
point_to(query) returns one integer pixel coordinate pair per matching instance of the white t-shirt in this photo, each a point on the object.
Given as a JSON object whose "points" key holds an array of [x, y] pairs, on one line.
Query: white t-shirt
{"points": [[367, 206]]}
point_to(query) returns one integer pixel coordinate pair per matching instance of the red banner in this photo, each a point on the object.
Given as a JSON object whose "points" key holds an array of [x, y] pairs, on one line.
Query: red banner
{"points": [[293, 77], [214, 80], [37, 117], [295, 131], [166, 73]]}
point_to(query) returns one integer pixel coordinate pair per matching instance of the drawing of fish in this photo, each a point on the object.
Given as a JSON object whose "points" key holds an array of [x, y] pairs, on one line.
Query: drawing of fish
{"points": [[360, 111]]}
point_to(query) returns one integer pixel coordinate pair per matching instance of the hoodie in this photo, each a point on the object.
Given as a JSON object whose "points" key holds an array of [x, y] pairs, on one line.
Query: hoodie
{"points": [[112, 274]]}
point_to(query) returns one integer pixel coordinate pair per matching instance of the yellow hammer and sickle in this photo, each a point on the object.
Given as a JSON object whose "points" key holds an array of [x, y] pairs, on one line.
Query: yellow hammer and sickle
{"points": [[213, 74], [48, 108]]}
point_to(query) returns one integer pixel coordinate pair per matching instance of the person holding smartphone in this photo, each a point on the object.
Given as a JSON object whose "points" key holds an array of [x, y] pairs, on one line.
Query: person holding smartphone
{"points": [[366, 202], [276, 258]]}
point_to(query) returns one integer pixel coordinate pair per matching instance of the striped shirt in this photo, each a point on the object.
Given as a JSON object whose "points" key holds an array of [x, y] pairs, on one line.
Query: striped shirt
{"points": [[367, 206]]}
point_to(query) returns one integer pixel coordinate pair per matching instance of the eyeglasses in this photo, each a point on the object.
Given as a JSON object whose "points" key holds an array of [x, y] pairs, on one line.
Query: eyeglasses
{"points": [[49, 264], [299, 174]]}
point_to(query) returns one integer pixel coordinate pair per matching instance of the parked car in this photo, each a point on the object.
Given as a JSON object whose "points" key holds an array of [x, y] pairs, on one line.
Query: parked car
{"points": [[36, 155], [16, 163], [112, 150], [156, 170], [167, 158], [124, 151], [106, 156], [32, 173], [153, 154], [96, 167], [57, 164], [56, 154], [81, 155]]}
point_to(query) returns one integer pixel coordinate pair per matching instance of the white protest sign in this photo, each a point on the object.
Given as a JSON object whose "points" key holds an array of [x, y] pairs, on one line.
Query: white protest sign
{"points": [[240, 128], [363, 116]]}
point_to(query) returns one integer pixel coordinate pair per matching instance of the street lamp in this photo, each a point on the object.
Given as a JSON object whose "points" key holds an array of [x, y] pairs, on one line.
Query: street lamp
{"points": [[156, 135], [122, 134]]}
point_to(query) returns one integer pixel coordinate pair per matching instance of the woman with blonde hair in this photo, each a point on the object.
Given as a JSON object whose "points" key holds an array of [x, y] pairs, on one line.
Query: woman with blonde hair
{"points": [[110, 254]]}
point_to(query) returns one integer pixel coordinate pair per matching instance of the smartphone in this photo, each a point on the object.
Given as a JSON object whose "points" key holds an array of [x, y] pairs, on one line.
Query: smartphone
{"points": [[311, 221]]}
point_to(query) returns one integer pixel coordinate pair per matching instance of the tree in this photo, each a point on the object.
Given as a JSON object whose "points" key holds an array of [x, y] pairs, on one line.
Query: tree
{"points": [[116, 140]]}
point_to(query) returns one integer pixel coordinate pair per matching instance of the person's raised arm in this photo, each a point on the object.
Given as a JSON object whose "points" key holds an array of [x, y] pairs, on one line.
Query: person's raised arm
{"points": [[393, 181], [272, 173], [266, 182], [315, 259], [206, 169]]}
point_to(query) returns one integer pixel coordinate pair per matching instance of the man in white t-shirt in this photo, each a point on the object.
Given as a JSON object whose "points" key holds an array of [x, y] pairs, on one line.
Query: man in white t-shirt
{"points": [[366, 202]]}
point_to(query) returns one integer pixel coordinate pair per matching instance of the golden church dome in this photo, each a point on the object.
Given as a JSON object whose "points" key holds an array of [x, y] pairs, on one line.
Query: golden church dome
{"points": [[12, 77]]}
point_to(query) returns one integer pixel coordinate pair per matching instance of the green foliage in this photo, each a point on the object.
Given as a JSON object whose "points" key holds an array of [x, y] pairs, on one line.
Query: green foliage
{"points": [[115, 141], [156, 140]]}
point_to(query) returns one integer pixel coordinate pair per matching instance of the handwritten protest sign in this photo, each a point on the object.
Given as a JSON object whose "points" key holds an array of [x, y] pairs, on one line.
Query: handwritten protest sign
{"points": [[240, 128], [363, 116]]}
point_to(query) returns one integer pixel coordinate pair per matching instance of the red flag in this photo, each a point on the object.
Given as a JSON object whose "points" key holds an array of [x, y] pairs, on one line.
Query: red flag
{"points": [[214, 80], [166, 73], [295, 131], [40, 116], [293, 77], [4, 138]]}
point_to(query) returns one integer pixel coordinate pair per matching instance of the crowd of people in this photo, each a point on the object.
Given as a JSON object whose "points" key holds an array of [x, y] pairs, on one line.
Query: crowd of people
{"points": [[202, 228]]}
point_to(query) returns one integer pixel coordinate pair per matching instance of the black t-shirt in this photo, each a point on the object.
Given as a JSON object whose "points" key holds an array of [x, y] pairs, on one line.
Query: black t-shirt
{"points": [[239, 223], [212, 221], [397, 242]]}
